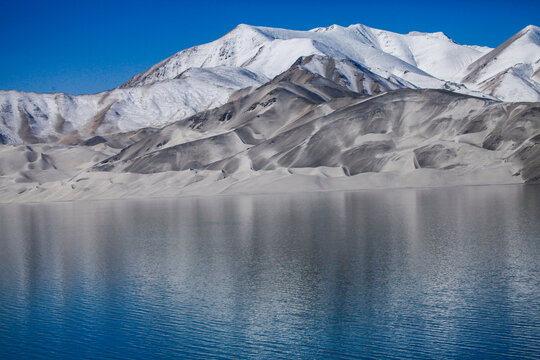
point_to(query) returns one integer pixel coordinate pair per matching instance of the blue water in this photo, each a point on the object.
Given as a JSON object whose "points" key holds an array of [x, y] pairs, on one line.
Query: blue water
{"points": [[445, 273]]}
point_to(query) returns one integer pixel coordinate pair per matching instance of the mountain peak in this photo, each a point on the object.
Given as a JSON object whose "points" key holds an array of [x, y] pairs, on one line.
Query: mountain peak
{"points": [[438, 34], [243, 26], [328, 28], [531, 32], [531, 27], [246, 28]]}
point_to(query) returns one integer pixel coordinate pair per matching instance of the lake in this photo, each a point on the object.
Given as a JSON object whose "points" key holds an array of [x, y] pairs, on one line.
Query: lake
{"points": [[412, 273]]}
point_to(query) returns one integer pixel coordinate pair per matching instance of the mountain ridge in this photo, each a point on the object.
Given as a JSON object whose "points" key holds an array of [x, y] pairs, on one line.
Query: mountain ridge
{"points": [[204, 76], [337, 41], [265, 110]]}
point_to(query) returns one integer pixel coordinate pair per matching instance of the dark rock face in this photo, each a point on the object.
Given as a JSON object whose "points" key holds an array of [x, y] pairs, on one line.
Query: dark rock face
{"points": [[94, 141], [433, 156]]}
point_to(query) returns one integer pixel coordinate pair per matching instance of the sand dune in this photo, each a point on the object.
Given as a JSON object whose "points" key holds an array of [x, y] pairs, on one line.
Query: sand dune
{"points": [[286, 138]]}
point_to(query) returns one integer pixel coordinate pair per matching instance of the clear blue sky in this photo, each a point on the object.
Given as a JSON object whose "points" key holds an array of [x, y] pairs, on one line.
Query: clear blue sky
{"points": [[82, 47]]}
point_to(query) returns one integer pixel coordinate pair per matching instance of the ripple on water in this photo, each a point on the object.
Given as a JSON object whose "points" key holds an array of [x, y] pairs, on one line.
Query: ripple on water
{"points": [[441, 273]]}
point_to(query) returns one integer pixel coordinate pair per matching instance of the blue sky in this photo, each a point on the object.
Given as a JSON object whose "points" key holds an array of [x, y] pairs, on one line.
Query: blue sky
{"points": [[82, 47]]}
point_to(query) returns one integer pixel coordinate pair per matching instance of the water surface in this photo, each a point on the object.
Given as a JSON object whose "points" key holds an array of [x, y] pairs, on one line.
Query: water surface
{"points": [[435, 273]]}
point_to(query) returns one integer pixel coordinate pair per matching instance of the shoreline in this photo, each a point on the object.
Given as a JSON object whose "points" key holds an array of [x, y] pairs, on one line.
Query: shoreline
{"points": [[233, 191]]}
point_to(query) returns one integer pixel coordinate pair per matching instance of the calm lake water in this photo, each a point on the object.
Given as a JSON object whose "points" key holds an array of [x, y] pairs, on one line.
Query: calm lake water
{"points": [[440, 273]]}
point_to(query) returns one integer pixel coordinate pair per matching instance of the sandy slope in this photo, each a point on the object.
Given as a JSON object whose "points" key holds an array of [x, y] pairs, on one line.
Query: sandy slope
{"points": [[105, 185], [299, 141]]}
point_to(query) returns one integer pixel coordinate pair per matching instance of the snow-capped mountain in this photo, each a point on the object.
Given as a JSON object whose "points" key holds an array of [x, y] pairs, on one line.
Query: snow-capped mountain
{"points": [[422, 59], [264, 110], [363, 59], [510, 72]]}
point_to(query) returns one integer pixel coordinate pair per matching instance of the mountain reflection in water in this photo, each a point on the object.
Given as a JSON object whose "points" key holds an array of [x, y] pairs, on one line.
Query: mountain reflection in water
{"points": [[433, 273]]}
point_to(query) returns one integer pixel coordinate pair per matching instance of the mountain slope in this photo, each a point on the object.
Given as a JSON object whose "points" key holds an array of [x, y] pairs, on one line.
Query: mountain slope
{"points": [[512, 70], [399, 132], [32, 118], [343, 72], [434, 53], [289, 136]]}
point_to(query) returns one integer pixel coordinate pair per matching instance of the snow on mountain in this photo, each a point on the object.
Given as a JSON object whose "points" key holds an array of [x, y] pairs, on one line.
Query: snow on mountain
{"points": [[32, 117], [359, 58], [434, 53], [513, 84], [511, 71], [422, 59], [230, 50]]}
